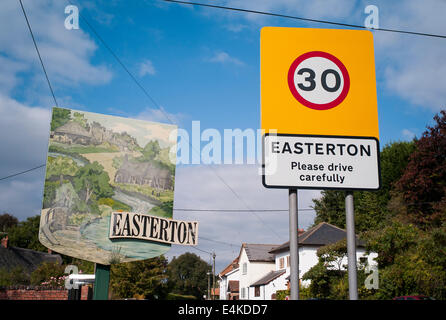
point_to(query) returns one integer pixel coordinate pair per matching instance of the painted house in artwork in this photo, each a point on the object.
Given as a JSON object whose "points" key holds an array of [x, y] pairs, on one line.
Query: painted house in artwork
{"points": [[144, 173], [72, 133]]}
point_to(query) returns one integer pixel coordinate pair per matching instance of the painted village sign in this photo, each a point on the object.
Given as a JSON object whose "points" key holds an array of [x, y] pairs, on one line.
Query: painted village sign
{"points": [[109, 189]]}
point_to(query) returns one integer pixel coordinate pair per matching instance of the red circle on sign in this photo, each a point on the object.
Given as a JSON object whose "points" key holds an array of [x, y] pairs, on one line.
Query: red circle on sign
{"points": [[310, 104]]}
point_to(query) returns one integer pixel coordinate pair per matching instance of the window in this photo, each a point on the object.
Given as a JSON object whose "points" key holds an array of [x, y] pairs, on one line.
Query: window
{"points": [[257, 291], [287, 261], [281, 263], [245, 268], [243, 293]]}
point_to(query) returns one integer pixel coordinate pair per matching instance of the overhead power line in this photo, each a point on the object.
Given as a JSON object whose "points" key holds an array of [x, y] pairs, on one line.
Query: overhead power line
{"points": [[38, 53], [239, 210], [22, 172], [304, 19]]}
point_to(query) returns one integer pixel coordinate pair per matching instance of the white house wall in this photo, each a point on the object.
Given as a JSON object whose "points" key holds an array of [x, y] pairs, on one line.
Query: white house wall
{"points": [[255, 271], [269, 289], [233, 275]]}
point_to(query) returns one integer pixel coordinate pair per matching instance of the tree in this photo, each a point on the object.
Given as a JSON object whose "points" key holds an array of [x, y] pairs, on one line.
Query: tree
{"points": [[188, 275], [411, 261], [26, 234], [7, 221], [328, 273], [60, 117], [146, 278], [330, 208], [80, 119], [393, 161], [370, 207], [423, 184], [91, 179], [61, 166], [329, 278], [390, 241], [151, 150]]}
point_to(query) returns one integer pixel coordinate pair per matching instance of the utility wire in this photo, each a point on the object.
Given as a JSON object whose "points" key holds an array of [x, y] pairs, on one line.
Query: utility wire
{"points": [[210, 253], [238, 210], [38, 53], [304, 19], [22, 172], [221, 242]]}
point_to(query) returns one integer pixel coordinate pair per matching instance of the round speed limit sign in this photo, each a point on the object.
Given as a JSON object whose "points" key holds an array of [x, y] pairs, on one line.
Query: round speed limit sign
{"points": [[318, 80]]}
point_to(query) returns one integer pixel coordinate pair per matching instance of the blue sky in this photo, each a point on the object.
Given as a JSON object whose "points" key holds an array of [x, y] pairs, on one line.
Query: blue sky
{"points": [[197, 64]]}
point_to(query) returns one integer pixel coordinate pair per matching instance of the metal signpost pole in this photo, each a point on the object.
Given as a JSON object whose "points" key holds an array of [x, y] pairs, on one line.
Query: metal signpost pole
{"points": [[351, 246], [101, 281], [294, 249]]}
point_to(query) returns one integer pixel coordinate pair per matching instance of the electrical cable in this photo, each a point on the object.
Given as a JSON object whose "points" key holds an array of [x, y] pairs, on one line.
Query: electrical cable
{"points": [[304, 19], [38, 53], [238, 210], [22, 172]]}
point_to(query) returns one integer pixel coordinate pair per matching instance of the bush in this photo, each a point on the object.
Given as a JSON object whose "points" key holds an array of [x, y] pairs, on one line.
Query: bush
{"points": [[46, 274]]}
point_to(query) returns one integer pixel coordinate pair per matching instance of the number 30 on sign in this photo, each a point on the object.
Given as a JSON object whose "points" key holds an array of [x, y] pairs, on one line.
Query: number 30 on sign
{"points": [[318, 80]]}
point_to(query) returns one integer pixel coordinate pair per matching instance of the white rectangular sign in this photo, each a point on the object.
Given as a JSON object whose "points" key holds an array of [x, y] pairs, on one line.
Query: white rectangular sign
{"points": [[320, 162]]}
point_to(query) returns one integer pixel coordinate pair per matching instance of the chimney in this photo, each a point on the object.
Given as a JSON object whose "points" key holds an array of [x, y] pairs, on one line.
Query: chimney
{"points": [[300, 231], [5, 242]]}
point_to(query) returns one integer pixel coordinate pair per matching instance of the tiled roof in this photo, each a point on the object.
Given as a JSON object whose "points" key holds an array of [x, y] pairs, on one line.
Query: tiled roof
{"points": [[320, 235], [259, 252], [28, 259], [232, 266], [268, 278]]}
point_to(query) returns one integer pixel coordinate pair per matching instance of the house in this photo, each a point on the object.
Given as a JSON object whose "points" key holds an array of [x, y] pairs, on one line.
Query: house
{"points": [[229, 281], [144, 173], [263, 273], [309, 242], [255, 260], [72, 133], [27, 259]]}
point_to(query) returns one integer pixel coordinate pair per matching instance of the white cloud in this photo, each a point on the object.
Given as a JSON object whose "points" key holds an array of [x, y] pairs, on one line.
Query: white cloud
{"points": [[65, 53], [24, 135], [223, 57], [146, 68], [160, 115], [408, 134], [235, 27], [315, 9]]}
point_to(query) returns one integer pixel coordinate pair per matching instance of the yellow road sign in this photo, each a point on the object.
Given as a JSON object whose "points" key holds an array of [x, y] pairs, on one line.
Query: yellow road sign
{"points": [[318, 82]]}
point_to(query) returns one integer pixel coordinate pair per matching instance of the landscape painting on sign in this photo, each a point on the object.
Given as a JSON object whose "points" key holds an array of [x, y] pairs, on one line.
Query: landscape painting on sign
{"points": [[99, 164]]}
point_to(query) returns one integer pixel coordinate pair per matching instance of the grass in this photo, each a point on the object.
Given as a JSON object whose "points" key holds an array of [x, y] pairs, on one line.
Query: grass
{"points": [[77, 148]]}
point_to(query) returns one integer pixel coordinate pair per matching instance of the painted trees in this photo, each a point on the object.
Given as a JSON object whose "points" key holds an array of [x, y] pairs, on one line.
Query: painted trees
{"points": [[92, 181]]}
